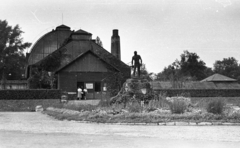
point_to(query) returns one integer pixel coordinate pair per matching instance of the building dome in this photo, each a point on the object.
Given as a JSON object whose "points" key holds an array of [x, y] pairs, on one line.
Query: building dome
{"points": [[48, 43]]}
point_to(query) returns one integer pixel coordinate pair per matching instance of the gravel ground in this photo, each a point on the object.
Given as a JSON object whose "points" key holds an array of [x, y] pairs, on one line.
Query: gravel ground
{"points": [[35, 130]]}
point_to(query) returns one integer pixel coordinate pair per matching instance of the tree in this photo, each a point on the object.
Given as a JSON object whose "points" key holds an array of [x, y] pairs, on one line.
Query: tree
{"points": [[99, 42], [228, 67], [12, 58], [191, 66], [167, 73]]}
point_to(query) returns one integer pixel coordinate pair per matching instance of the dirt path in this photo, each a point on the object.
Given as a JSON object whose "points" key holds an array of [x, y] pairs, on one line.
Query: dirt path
{"points": [[35, 130]]}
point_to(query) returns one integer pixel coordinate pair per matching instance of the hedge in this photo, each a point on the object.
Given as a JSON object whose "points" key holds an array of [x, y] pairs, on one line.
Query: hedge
{"points": [[28, 104], [201, 92], [30, 94]]}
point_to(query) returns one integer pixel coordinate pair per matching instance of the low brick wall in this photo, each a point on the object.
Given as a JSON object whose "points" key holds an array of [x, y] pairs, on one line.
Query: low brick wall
{"points": [[201, 92], [27, 105]]}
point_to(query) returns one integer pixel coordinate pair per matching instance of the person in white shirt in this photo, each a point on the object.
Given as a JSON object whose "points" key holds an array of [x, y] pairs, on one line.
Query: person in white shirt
{"points": [[84, 94]]}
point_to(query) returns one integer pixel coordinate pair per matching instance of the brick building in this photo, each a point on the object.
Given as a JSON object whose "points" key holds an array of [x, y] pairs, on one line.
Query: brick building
{"points": [[78, 60]]}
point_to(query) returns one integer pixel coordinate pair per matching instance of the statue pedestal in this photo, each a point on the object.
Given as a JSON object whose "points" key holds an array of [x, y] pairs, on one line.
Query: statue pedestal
{"points": [[137, 85], [133, 88]]}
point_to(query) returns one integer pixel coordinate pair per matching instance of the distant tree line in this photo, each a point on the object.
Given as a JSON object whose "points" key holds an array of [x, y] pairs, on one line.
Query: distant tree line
{"points": [[191, 67]]}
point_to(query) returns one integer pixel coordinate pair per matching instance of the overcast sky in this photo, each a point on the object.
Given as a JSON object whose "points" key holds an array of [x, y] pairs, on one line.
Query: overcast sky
{"points": [[160, 30]]}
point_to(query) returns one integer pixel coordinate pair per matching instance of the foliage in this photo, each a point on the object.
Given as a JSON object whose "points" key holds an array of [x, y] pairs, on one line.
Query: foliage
{"points": [[42, 75], [53, 61], [27, 105], [216, 106], [189, 67], [168, 73], [134, 107], [178, 107], [41, 79], [104, 103], [12, 59], [114, 82], [12, 94], [145, 74], [80, 107], [228, 67], [155, 104], [136, 117]]}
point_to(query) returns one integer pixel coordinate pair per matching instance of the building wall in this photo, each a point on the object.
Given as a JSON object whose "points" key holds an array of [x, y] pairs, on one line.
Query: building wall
{"points": [[70, 81], [88, 63], [67, 81]]}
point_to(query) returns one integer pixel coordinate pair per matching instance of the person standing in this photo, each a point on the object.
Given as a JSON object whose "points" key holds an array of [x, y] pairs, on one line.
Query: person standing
{"points": [[137, 63], [84, 94], [79, 94]]}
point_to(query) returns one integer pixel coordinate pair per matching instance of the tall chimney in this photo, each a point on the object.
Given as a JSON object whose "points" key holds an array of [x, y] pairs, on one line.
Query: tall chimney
{"points": [[115, 44]]}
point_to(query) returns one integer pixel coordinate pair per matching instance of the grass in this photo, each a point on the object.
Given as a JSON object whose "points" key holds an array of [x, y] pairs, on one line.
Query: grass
{"points": [[140, 117], [27, 105], [103, 113]]}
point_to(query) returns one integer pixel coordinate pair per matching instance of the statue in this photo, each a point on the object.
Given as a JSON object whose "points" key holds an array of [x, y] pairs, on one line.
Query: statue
{"points": [[137, 63]]}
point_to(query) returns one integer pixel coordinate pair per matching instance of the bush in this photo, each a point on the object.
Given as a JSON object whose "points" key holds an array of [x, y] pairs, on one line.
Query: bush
{"points": [[178, 106], [104, 103], [154, 104], [134, 107], [22, 94], [216, 106], [80, 107]]}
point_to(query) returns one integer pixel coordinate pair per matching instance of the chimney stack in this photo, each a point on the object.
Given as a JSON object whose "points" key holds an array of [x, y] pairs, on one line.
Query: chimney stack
{"points": [[115, 44]]}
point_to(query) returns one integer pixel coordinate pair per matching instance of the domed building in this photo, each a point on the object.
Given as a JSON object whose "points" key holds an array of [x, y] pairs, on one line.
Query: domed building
{"points": [[78, 61]]}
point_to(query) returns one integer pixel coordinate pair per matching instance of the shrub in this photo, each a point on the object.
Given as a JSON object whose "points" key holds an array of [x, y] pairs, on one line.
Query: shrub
{"points": [[80, 107], [134, 107], [216, 106], [154, 104], [178, 106], [22, 94], [104, 103]]}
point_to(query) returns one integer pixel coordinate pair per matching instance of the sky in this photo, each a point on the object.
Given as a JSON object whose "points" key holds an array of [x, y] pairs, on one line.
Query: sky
{"points": [[159, 30]]}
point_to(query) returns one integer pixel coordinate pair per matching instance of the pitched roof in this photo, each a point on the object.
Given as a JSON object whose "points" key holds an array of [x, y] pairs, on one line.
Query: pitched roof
{"points": [[218, 78], [80, 31], [80, 56]]}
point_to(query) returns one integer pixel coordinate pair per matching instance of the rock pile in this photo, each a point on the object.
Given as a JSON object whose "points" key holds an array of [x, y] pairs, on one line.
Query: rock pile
{"points": [[133, 88]]}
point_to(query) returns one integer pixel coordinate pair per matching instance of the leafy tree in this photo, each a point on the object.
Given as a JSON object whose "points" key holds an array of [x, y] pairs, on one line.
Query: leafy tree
{"points": [[42, 75], [228, 67], [145, 74], [99, 42], [191, 66], [12, 59], [114, 81], [166, 74]]}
